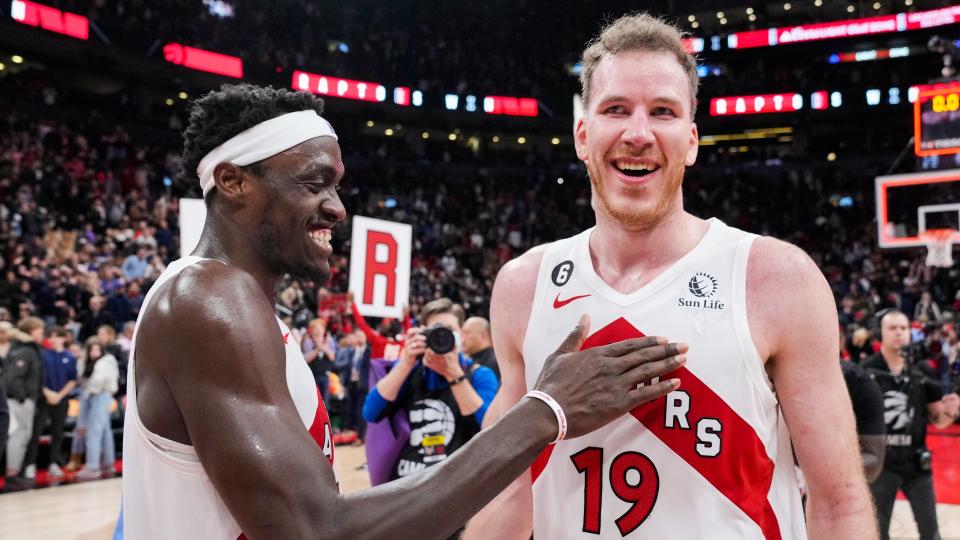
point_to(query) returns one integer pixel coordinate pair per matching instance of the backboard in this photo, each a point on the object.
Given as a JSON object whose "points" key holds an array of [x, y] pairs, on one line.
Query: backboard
{"points": [[908, 204]]}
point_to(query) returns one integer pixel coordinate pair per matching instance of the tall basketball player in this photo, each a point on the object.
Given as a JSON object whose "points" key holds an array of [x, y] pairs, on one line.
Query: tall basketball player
{"points": [[226, 435], [713, 459]]}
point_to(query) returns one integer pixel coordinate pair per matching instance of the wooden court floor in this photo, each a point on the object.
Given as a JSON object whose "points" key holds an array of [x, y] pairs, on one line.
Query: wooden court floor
{"points": [[88, 510]]}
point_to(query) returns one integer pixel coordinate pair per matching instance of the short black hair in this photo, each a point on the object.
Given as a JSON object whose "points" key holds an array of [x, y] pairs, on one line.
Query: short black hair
{"points": [[221, 114]]}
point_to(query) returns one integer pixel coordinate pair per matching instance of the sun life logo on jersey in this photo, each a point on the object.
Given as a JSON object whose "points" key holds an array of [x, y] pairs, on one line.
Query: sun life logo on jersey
{"points": [[703, 287]]}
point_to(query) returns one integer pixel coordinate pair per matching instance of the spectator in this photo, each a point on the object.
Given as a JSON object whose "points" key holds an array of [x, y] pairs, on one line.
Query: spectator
{"points": [[100, 374], [60, 378], [96, 317], [912, 398], [859, 345], [4, 415], [927, 311], [381, 346], [353, 368], [478, 344], [868, 410], [126, 337], [444, 395], [22, 379], [318, 353]]}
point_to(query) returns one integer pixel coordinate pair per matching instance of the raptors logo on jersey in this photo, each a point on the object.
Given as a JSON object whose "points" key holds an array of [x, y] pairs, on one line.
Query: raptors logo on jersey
{"points": [[711, 459]]}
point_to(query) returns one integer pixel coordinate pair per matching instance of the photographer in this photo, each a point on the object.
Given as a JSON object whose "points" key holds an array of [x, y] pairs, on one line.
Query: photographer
{"points": [[912, 397], [444, 394]]}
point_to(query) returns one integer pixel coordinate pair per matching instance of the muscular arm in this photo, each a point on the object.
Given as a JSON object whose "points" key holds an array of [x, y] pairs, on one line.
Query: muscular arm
{"points": [[510, 515], [227, 375], [793, 320]]}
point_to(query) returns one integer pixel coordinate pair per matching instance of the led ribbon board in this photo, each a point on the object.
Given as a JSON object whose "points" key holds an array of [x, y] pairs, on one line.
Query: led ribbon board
{"points": [[760, 104], [52, 19], [201, 60], [325, 85], [899, 22]]}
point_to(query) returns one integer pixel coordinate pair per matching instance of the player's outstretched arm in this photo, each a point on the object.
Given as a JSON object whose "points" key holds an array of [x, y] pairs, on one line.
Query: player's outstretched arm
{"points": [[227, 375], [510, 515], [793, 319]]}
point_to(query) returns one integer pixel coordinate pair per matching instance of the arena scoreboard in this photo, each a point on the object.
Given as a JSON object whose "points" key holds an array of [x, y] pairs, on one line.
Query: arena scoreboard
{"points": [[936, 114]]}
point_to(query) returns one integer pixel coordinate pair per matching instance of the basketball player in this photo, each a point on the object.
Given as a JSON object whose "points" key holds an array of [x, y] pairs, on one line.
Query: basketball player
{"points": [[226, 436], [713, 459]]}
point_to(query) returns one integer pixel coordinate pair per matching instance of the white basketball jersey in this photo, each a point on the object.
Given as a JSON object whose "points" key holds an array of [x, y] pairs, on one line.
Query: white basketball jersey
{"points": [[166, 492], [712, 459]]}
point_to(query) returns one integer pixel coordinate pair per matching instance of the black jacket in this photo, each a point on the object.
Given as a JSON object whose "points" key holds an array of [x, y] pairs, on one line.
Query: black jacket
{"points": [[4, 416], [23, 371]]}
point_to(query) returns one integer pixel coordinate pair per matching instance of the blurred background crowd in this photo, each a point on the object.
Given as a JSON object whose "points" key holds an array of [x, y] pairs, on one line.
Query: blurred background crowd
{"points": [[89, 194]]}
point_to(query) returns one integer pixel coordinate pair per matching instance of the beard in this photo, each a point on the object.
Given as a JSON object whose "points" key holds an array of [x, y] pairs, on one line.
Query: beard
{"points": [[636, 216], [270, 241]]}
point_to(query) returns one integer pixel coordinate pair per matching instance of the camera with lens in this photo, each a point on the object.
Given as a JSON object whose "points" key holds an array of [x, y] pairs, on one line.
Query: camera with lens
{"points": [[440, 339]]}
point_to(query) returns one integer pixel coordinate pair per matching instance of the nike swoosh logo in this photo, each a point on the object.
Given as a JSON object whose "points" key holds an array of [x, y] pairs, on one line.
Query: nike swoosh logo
{"points": [[558, 303]]}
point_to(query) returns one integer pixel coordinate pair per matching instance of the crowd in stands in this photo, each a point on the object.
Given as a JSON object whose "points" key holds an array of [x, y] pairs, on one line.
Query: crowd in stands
{"points": [[438, 50], [89, 219]]}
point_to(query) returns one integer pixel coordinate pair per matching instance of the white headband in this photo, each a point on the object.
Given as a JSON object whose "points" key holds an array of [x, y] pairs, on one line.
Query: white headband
{"points": [[263, 140]]}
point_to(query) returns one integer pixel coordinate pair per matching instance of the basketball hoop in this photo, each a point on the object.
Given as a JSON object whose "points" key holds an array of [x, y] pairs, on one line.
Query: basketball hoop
{"points": [[939, 244]]}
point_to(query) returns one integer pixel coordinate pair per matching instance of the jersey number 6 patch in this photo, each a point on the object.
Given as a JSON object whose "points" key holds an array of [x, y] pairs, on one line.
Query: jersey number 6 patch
{"points": [[633, 478]]}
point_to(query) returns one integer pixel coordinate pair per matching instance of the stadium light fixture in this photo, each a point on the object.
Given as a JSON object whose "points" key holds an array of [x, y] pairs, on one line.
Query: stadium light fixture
{"points": [[495, 139], [876, 5], [388, 132], [787, 6], [555, 141], [16, 59], [425, 135], [521, 140], [692, 18], [560, 180], [752, 17], [818, 3], [2, 67], [452, 136], [369, 123], [723, 21], [720, 15], [169, 101], [832, 156], [908, 2], [749, 11], [850, 8], [182, 95], [695, 25]]}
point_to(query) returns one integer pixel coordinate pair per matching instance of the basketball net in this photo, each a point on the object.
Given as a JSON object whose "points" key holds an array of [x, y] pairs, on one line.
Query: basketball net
{"points": [[939, 244]]}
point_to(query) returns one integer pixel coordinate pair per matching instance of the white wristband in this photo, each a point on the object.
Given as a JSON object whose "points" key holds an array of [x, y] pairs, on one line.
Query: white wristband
{"points": [[557, 410]]}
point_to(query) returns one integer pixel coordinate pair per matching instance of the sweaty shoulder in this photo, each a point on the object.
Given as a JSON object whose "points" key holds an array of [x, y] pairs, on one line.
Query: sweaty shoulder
{"points": [[206, 294], [512, 298], [197, 327], [785, 291]]}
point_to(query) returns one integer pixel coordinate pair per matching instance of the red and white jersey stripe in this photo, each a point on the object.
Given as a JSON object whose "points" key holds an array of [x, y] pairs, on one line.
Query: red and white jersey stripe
{"points": [[166, 492], [711, 460]]}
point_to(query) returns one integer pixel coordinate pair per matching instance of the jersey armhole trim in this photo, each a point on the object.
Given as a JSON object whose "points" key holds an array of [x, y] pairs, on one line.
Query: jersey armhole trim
{"points": [[539, 301], [753, 364]]}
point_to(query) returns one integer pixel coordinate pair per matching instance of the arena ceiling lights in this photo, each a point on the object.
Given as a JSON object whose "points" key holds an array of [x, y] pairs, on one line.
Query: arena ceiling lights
{"points": [[883, 24], [52, 19]]}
